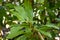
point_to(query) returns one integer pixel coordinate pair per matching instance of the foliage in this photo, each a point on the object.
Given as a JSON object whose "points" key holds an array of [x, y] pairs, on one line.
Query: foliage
{"points": [[37, 20]]}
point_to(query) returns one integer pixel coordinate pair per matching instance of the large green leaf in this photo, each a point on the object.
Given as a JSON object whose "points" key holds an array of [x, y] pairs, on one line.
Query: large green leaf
{"points": [[20, 13], [18, 30], [14, 34], [15, 31], [28, 9]]}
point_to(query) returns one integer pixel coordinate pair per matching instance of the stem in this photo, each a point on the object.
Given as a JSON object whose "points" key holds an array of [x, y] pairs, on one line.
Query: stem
{"points": [[40, 36], [36, 32]]}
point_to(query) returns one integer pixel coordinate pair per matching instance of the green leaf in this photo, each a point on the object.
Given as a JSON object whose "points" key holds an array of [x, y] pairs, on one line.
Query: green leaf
{"points": [[58, 19], [9, 5], [51, 26], [45, 28], [20, 13], [28, 32], [21, 38], [14, 34], [15, 31], [28, 9], [45, 33]]}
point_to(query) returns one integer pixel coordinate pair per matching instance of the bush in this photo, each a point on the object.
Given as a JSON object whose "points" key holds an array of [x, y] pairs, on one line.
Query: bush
{"points": [[30, 19]]}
